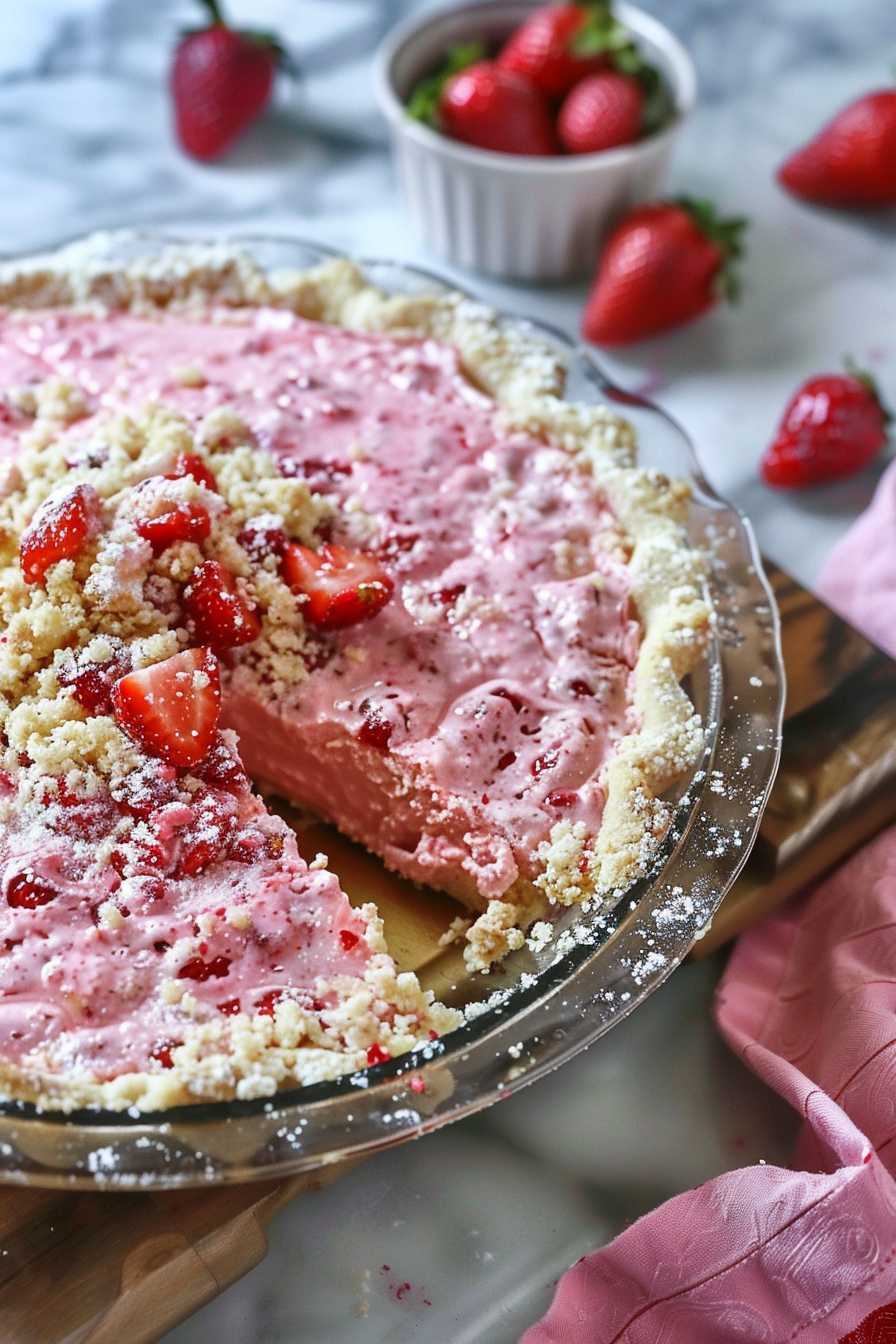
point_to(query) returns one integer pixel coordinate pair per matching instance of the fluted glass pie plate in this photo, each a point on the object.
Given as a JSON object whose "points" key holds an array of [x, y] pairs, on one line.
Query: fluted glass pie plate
{"points": [[539, 1007]]}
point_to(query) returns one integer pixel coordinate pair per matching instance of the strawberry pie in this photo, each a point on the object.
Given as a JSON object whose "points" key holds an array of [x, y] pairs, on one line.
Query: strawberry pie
{"points": [[359, 551]]}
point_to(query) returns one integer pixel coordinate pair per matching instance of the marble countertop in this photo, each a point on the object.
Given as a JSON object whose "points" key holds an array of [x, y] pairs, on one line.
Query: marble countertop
{"points": [[460, 1236]]}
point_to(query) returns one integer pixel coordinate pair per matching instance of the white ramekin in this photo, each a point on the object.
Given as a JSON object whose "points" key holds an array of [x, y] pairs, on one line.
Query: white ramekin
{"points": [[521, 217]]}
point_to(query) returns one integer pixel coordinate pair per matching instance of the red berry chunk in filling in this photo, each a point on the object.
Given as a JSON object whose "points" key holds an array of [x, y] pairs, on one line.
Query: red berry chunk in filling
{"points": [[186, 522], [92, 682], [172, 708], [341, 587], [562, 798], [188, 464], [377, 1055], [59, 530], [376, 729], [162, 1052], [25, 891], [268, 1002], [197, 969], [220, 615]]}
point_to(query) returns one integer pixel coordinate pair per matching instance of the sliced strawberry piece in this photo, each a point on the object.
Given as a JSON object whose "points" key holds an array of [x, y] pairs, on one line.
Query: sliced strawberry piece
{"points": [[172, 708], [185, 522], [221, 616], [342, 587], [189, 464], [59, 530]]}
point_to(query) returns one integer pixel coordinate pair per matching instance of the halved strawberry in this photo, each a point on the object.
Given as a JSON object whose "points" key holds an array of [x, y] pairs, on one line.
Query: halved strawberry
{"points": [[342, 587], [59, 530], [172, 708], [189, 464], [185, 522], [220, 615]]}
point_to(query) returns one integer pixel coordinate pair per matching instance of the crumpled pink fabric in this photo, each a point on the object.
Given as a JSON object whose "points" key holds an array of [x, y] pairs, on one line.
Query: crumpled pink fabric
{"points": [[809, 1003]]}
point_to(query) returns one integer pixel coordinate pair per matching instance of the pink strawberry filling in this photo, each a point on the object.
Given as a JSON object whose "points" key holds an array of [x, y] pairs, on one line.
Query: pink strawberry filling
{"points": [[449, 732]]}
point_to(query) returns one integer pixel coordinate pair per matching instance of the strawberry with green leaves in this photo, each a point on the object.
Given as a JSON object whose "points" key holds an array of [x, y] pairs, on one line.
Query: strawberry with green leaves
{"points": [[559, 46], [221, 80], [664, 264], [579, 53], [470, 99], [834, 424]]}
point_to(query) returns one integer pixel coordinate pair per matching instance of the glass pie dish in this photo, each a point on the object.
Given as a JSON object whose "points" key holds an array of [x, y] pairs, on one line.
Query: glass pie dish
{"points": [[541, 1004]]}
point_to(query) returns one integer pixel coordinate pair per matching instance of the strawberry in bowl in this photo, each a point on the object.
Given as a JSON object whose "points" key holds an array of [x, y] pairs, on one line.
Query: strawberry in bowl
{"points": [[522, 130], [569, 79]]}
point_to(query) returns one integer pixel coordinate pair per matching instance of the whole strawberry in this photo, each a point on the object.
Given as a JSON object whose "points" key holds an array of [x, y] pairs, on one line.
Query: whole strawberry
{"points": [[472, 100], [221, 79], [602, 112], [833, 426], [852, 161], [559, 45], [664, 264]]}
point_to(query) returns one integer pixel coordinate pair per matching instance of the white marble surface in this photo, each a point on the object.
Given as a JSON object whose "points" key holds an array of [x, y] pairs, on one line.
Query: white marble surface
{"points": [[480, 1219]]}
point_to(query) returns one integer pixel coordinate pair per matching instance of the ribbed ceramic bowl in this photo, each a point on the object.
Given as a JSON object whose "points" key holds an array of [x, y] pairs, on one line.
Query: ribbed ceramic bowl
{"points": [[523, 217]]}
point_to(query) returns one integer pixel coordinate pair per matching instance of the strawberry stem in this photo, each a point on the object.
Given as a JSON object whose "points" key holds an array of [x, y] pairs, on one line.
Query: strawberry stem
{"points": [[727, 234], [215, 14], [868, 381], [423, 104]]}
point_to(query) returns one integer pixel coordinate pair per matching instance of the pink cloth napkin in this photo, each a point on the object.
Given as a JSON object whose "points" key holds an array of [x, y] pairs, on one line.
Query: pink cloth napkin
{"points": [[808, 1001]]}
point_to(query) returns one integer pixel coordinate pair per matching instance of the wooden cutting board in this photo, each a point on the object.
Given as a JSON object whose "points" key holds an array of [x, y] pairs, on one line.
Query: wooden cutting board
{"points": [[123, 1268]]}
